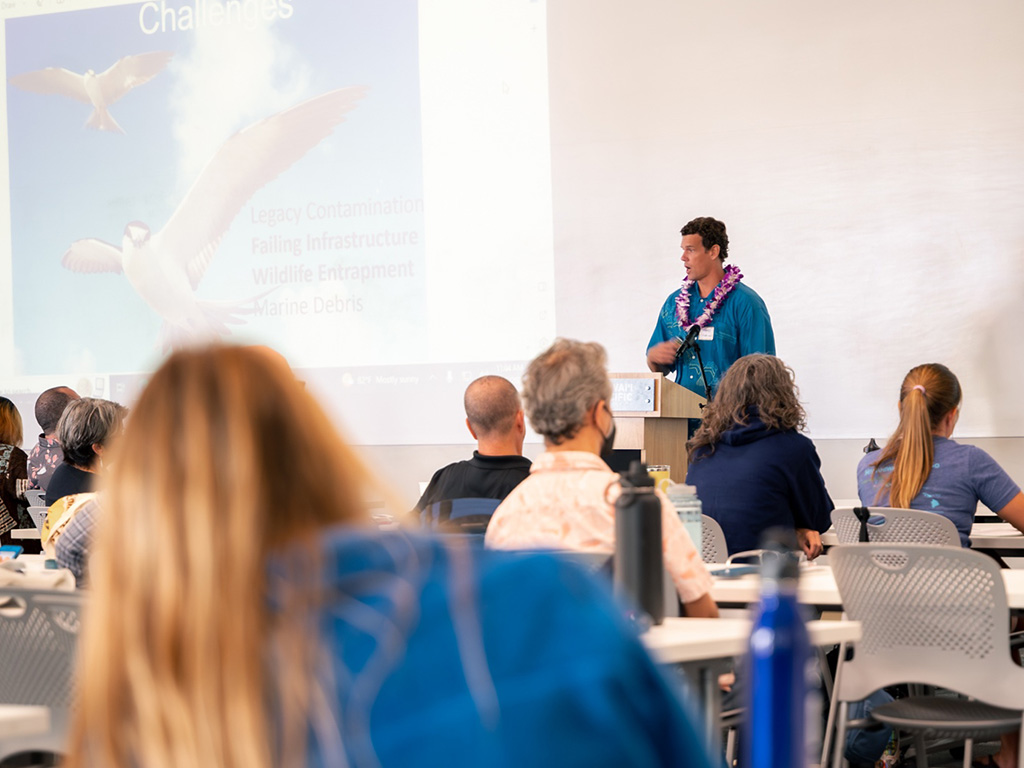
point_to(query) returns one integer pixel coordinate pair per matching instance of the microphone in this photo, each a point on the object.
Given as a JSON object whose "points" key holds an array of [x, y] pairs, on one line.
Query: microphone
{"points": [[691, 337]]}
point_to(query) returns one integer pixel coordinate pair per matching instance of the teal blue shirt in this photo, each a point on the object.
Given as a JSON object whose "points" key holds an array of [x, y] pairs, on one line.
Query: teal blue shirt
{"points": [[437, 653], [742, 327]]}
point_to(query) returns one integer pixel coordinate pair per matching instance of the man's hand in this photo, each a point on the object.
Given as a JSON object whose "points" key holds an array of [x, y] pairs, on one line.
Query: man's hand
{"points": [[662, 355], [810, 542]]}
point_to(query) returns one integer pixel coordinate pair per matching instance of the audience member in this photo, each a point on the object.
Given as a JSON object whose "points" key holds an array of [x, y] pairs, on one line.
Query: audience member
{"points": [[71, 548], [13, 472], [46, 455], [244, 613], [752, 468], [59, 518], [494, 417], [568, 501], [84, 429], [920, 467]]}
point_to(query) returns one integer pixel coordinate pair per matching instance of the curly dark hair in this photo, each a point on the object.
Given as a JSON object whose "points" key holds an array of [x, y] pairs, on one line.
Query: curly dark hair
{"points": [[711, 231], [755, 381]]}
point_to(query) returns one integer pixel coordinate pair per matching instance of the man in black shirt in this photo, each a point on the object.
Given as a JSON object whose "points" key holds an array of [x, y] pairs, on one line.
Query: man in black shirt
{"points": [[494, 416]]}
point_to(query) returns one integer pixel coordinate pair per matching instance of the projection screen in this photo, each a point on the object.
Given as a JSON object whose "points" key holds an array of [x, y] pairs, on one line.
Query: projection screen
{"points": [[402, 196]]}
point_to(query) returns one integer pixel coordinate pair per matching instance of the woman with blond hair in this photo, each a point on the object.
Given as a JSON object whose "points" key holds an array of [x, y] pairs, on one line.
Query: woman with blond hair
{"points": [[752, 467], [245, 613], [922, 468]]}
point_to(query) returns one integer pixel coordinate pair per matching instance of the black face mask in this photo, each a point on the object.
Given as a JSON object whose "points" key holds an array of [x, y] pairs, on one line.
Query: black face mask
{"points": [[608, 443]]}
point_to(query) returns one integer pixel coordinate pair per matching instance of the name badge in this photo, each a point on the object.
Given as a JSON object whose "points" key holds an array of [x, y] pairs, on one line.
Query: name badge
{"points": [[707, 333]]}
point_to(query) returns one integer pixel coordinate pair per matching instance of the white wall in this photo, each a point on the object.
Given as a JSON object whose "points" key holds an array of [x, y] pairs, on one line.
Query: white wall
{"points": [[868, 161], [866, 157]]}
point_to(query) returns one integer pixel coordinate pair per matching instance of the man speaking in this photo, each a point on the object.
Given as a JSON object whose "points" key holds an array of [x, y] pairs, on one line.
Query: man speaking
{"points": [[724, 316]]}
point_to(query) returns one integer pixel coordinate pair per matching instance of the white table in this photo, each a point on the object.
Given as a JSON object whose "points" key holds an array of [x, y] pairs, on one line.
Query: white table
{"points": [[38, 576], [685, 640], [704, 647], [16, 720], [998, 538], [818, 588], [34, 562]]}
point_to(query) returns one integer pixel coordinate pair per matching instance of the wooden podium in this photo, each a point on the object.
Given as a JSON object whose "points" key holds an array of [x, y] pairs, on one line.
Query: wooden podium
{"points": [[651, 414]]}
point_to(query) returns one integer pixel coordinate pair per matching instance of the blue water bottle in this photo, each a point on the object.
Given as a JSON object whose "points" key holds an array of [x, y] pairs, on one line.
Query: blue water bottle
{"points": [[777, 667]]}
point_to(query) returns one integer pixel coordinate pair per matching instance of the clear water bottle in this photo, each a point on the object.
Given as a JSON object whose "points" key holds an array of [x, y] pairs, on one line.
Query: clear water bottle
{"points": [[688, 507], [639, 561], [779, 661]]}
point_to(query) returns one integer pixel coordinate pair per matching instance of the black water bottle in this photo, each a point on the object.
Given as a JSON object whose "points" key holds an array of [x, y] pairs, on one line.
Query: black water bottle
{"points": [[639, 566]]}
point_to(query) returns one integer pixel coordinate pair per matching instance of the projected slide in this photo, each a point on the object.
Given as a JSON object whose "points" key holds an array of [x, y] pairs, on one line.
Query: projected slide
{"points": [[333, 179], [262, 172]]}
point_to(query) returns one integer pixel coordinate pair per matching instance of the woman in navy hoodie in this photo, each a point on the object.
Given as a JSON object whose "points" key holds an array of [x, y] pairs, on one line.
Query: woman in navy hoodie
{"points": [[752, 468]]}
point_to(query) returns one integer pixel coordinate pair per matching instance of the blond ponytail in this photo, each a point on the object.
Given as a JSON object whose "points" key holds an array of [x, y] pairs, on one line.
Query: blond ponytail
{"points": [[929, 393]]}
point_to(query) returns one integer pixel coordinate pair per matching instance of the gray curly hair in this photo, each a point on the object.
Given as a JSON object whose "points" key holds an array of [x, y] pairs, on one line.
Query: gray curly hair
{"points": [[561, 384]]}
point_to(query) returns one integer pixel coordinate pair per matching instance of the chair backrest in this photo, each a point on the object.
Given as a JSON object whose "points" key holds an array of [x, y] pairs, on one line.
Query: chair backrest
{"points": [[38, 634], [891, 525], [470, 515], [713, 548], [38, 515], [930, 615], [36, 498]]}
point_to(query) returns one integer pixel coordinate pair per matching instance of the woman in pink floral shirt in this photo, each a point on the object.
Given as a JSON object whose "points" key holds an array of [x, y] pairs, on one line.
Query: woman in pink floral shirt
{"points": [[568, 501]]}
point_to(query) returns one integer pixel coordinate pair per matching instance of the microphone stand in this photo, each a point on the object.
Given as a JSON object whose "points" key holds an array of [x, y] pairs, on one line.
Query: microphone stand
{"points": [[700, 363], [703, 375]]}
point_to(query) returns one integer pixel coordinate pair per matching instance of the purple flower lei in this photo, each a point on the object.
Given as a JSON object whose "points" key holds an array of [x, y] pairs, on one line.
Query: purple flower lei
{"points": [[729, 280]]}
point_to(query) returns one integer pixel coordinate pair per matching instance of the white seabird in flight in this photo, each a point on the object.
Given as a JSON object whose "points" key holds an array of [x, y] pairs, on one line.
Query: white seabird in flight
{"points": [[165, 267], [100, 90]]}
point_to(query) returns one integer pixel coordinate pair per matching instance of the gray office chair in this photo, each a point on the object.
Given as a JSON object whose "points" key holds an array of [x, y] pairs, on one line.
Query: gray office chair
{"points": [[933, 616], [713, 548], [38, 634], [468, 515], [891, 525], [36, 498], [38, 515]]}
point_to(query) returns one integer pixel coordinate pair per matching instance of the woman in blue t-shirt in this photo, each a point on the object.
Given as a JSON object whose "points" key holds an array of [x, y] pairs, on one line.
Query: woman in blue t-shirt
{"points": [[921, 468], [752, 468]]}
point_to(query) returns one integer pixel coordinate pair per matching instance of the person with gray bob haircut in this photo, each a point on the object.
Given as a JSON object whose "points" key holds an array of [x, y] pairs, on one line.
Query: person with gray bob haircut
{"points": [[84, 430]]}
